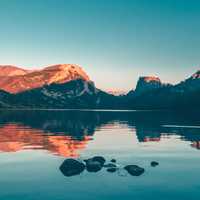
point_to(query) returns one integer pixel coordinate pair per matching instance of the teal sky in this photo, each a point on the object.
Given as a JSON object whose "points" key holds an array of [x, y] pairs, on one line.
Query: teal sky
{"points": [[114, 40]]}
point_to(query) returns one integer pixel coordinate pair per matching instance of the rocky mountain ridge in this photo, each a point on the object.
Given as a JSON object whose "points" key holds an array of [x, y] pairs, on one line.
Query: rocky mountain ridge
{"points": [[68, 86], [19, 80], [9, 70]]}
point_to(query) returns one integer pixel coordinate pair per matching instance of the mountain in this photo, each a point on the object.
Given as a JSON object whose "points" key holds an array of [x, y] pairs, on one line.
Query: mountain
{"points": [[147, 83], [9, 70], [73, 94], [184, 95], [20, 80], [57, 86], [190, 84]]}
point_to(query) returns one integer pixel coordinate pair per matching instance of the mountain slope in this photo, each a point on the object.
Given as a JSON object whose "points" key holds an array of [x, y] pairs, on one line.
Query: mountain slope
{"points": [[38, 78], [9, 70], [73, 95], [190, 84], [184, 95]]}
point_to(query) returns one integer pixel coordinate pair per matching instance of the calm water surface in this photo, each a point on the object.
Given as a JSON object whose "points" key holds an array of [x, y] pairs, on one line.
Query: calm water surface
{"points": [[33, 145]]}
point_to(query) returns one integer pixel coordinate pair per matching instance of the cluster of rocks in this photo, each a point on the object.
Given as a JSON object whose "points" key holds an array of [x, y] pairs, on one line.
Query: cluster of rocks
{"points": [[72, 167]]}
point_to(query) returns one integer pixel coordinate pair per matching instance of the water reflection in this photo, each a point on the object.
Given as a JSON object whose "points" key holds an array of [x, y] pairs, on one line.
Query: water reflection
{"points": [[67, 133], [16, 137]]}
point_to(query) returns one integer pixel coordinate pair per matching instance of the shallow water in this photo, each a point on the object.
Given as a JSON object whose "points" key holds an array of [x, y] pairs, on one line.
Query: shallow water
{"points": [[33, 145]]}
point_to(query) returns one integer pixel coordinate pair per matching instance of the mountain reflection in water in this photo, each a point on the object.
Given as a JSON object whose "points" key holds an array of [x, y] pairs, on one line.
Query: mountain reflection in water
{"points": [[67, 133], [15, 137]]}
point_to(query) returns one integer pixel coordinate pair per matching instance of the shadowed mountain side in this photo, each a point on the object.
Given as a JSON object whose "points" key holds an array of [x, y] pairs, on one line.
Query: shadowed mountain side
{"points": [[74, 94], [151, 94], [166, 98]]}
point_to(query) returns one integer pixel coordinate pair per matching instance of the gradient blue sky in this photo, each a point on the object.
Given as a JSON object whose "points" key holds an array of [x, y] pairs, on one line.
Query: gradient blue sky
{"points": [[114, 40]]}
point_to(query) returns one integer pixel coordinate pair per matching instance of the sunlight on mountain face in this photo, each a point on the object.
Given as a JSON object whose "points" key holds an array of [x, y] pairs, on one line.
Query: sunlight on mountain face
{"points": [[14, 79]]}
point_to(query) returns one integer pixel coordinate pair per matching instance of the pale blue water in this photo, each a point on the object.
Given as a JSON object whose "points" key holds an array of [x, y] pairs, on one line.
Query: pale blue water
{"points": [[34, 144]]}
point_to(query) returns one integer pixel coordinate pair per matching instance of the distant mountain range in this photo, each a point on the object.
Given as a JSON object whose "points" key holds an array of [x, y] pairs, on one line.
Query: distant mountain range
{"points": [[68, 86]]}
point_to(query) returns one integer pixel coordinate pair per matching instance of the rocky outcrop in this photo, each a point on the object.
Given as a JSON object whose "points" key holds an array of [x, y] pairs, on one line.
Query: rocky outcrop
{"points": [[147, 83]]}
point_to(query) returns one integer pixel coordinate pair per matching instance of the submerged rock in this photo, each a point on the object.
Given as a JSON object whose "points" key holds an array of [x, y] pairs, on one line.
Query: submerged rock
{"points": [[72, 167], [113, 160], [110, 165], [154, 163], [112, 169], [134, 170]]}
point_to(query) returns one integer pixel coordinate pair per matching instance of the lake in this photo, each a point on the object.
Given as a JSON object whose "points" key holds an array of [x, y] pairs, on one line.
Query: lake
{"points": [[34, 144]]}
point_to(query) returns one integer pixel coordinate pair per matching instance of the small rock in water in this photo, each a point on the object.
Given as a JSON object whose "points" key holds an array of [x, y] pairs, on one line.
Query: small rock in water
{"points": [[154, 163], [113, 160], [112, 169], [110, 165], [72, 167], [93, 166], [134, 170], [99, 159]]}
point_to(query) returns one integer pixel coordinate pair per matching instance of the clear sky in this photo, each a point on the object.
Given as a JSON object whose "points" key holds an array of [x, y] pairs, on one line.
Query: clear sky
{"points": [[114, 40]]}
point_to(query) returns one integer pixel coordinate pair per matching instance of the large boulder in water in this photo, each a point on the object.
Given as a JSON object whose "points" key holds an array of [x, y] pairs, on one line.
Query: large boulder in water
{"points": [[99, 159], [93, 166], [134, 170], [72, 167]]}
